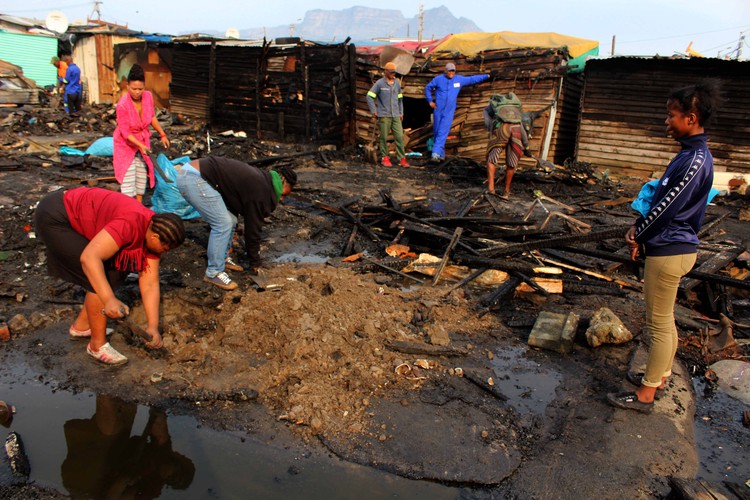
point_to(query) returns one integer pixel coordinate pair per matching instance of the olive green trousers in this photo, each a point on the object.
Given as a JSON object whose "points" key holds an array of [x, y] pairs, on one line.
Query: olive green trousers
{"points": [[661, 280]]}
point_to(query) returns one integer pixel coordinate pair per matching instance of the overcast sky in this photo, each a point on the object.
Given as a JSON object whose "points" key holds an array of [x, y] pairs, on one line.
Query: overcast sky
{"points": [[641, 27]]}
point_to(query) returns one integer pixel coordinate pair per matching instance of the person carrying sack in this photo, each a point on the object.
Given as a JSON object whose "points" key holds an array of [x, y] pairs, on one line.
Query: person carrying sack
{"points": [[503, 118]]}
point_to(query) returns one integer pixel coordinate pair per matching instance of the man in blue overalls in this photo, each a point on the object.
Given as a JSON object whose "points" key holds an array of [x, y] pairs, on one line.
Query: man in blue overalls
{"points": [[446, 88]]}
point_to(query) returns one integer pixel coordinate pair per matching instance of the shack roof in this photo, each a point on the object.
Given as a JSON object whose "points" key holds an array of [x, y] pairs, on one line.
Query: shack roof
{"points": [[470, 44]]}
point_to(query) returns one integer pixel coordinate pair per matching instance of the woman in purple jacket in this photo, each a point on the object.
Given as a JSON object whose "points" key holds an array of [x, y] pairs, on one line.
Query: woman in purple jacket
{"points": [[669, 235]]}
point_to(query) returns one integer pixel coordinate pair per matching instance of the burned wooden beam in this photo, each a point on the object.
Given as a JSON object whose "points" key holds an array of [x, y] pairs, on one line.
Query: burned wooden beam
{"points": [[364, 227], [454, 240], [395, 271], [272, 159], [424, 349], [477, 220], [350, 242], [507, 265], [715, 262], [483, 378], [700, 275], [507, 288], [515, 248], [424, 229], [467, 279]]}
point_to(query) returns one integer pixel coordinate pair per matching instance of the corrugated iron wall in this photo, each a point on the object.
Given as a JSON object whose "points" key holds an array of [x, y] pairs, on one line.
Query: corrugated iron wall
{"points": [[32, 53], [189, 87], [624, 106], [301, 91], [535, 75]]}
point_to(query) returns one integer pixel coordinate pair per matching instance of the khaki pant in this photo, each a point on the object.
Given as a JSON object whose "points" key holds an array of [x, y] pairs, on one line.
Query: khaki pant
{"points": [[388, 124], [662, 277]]}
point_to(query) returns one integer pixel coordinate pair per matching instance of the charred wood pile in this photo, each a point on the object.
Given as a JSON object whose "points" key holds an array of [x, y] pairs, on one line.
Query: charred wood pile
{"points": [[554, 247], [539, 77], [291, 92]]}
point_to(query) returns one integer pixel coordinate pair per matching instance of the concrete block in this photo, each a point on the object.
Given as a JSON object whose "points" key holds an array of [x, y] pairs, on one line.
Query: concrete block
{"points": [[554, 331]]}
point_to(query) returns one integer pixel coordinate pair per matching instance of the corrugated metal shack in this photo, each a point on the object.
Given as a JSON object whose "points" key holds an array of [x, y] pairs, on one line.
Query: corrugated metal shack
{"points": [[299, 90], [15, 88], [105, 53], [623, 110], [536, 66], [26, 44]]}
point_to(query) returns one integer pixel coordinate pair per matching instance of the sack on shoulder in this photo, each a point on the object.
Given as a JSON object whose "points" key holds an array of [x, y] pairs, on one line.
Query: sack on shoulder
{"points": [[507, 108]]}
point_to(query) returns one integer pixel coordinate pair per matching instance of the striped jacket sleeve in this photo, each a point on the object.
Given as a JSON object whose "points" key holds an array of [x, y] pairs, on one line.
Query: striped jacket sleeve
{"points": [[678, 193]]}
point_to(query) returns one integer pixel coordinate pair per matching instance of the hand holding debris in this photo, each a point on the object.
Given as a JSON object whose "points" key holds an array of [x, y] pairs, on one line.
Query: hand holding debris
{"points": [[115, 309], [156, 340], [632, 244], [164, 141]]}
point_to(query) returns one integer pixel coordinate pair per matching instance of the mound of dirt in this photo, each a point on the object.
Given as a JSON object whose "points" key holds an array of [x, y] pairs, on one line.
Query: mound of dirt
{"points": [[313, 344]]}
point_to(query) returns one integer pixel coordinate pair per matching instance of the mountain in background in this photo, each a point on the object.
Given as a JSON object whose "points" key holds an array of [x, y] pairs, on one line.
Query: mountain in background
{"points": [[362, 24]]}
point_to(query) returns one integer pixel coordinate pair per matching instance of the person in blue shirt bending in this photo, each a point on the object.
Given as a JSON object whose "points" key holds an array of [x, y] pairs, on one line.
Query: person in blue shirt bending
{"points": [[445, 88], [73, 87]]}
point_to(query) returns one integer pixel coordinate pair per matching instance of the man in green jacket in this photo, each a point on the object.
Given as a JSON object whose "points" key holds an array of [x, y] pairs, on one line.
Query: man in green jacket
{"points": [[386, 103]]}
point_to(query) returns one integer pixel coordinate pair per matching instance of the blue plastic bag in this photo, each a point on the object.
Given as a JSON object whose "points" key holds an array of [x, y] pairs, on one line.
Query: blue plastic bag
{"points": [[67, 150], [102, 147], [167, 197], [642, 203]]}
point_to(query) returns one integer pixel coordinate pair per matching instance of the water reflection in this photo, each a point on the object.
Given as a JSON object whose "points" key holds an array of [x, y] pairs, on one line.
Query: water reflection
{"points": [[107, 459]]}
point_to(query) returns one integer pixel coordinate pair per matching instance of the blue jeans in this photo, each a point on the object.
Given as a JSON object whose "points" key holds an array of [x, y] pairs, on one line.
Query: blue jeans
{"points": [[209, 203]]}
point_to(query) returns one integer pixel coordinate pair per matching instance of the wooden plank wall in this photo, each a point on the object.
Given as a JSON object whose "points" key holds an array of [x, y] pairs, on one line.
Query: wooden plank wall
{"points": [[564, 133], [535, 75], [623, 111], [303, 93], [298, 93]]}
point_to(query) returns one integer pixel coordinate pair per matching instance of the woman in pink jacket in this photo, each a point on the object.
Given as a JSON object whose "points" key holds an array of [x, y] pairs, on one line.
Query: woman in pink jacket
{"points": [[132, 137]]}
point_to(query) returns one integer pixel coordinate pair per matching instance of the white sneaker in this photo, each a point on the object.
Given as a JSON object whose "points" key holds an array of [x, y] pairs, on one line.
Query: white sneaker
{"points": [[107, 355]]}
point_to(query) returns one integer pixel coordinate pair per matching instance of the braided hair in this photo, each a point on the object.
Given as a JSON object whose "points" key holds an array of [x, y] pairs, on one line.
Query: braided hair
{"points": [[169, 228]]}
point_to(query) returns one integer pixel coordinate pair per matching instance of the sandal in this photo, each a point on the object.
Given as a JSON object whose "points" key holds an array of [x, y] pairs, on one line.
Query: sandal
{"points": [[629, 401], [76, 334], [636, 378]]}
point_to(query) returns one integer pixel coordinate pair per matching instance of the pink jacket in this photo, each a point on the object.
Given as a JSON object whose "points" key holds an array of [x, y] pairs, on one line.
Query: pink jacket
{"points": [[128, 122]]}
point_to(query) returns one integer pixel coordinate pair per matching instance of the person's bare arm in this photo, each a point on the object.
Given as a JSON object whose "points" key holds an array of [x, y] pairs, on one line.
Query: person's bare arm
{"points": [[148, 282], [162, 135], [101, 248]]}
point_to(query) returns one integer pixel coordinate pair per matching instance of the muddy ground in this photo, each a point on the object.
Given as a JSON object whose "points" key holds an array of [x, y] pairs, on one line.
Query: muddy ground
{"points": [[318, 356]]}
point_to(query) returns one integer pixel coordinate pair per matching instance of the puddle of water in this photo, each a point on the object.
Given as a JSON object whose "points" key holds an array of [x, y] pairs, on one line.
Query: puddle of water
{"points": [[301, 259], [529, 388], [720, 439], [97, 446]]}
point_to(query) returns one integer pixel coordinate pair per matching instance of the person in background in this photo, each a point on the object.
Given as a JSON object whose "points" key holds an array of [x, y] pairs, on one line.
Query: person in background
{"points": [[669, 234], [386, 103], [73, 88], [94, 238], [132, 137], [441, 94], [221, 189], [510, 136], [62, 69]]}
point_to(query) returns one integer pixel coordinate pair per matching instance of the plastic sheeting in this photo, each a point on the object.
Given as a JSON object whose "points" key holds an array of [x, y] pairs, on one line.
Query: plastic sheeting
{"points": [[470, 44], [167, 197]]}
